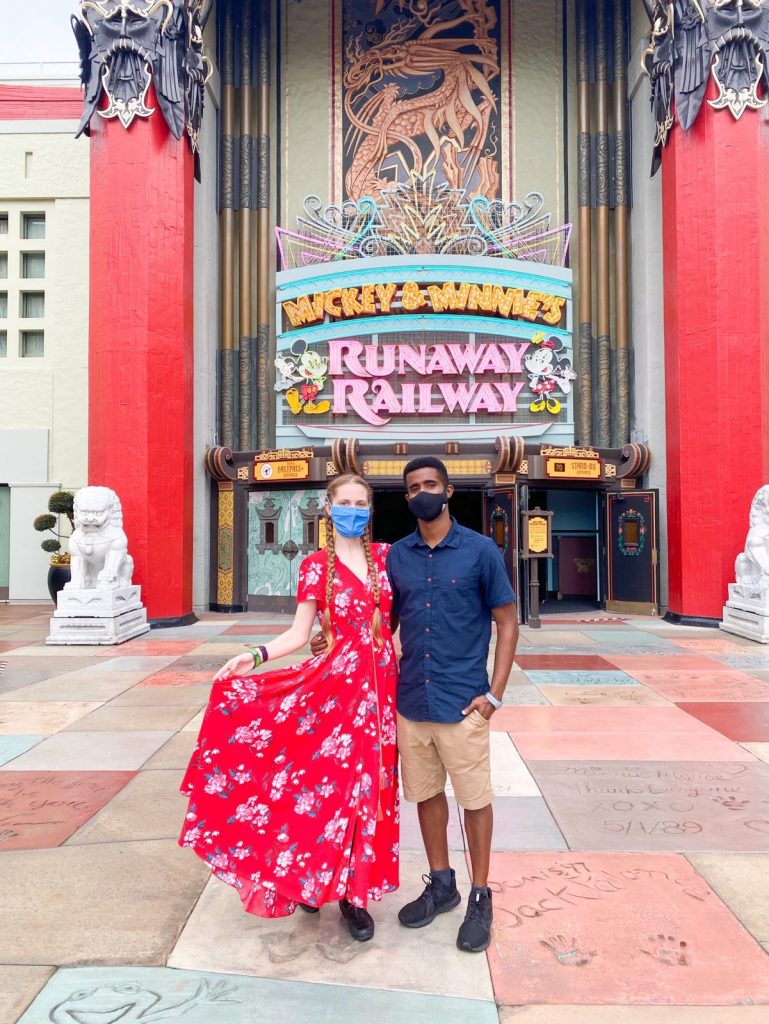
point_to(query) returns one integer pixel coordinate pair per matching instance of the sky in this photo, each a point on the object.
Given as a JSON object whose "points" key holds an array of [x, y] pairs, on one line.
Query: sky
{"points": [[38, 31]]}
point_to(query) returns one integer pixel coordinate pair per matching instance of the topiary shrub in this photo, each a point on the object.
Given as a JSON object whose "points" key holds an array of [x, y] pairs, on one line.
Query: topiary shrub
{"points": [[60, 503]]}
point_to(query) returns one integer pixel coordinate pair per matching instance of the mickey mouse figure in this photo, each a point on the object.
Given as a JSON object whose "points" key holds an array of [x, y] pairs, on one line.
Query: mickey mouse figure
{"points": [[307, 368], [547, 372]]}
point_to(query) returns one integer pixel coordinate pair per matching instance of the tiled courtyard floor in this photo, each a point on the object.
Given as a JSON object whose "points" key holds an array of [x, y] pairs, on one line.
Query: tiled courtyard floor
{"points": [[630, 866]]}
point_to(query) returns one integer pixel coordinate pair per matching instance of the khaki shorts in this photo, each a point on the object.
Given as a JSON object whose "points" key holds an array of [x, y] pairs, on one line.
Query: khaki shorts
{"points": [[431, 750]]}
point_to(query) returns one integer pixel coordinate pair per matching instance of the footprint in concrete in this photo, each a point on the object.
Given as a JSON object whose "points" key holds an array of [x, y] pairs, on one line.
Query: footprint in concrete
{"points": [[667, 950], [567, 953], [341, 949], [282, 947]]}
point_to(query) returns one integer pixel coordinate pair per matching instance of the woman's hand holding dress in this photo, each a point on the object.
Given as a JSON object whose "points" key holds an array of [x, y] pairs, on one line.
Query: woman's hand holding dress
{"points": [[240, 665]]}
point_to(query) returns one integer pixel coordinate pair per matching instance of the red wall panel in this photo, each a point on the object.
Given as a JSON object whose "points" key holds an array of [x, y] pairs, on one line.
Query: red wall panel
{"points": [[141, 348], [715, 243], [39, 103]]}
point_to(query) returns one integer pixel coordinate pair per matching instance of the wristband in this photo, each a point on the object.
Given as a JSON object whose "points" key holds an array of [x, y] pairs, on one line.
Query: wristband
{"points": [[259, 654], [494, 701]]}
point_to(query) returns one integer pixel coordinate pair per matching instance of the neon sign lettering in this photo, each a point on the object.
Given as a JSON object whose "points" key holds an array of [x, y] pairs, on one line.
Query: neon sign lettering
{"points": [[382, 299]]}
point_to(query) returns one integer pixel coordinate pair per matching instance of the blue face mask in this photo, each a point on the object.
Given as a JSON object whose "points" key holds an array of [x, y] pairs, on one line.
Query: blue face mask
{"points": [[350, 521]]}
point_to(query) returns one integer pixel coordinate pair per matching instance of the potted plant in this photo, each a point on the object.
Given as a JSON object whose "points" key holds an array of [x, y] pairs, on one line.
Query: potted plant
{"points": [[60, 503]]}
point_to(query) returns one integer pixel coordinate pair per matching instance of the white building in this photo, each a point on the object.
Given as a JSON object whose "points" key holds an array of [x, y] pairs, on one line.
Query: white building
{"points": [[44, 221]]}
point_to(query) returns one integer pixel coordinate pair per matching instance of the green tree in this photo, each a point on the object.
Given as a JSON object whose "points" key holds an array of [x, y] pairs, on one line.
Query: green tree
{"points": [[60, 503]]}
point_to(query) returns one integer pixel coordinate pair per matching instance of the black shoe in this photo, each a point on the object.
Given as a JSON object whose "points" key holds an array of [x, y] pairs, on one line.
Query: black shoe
{"points": [[475, 931], [360, 924], [308, 909], [436, 899]]}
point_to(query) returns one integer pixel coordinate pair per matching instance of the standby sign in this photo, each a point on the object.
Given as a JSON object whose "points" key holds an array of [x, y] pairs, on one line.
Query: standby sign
{"points": [[411, 347]]}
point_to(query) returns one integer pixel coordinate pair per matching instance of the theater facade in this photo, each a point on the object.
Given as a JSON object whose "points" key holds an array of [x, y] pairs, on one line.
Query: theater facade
{"points": [[332, 236]]}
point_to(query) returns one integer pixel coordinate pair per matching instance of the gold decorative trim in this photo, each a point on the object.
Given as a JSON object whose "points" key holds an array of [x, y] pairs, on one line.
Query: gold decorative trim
{"points": [[225, 544], [281, 454], [455, 467], [570, 452], [384, 467], [469, 467]]}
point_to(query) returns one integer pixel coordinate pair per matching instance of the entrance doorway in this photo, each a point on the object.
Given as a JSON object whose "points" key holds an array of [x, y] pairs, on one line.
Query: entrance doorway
{"points": [[392, 519], [570, 581]]}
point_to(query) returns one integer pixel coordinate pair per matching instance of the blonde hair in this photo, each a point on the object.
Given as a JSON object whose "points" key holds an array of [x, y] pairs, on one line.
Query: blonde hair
{"points": [[376, 621]]}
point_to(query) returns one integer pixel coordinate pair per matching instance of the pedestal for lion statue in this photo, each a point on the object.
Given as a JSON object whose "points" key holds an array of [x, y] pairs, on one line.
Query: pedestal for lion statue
{"points": [[746, 613], [99, 605]]}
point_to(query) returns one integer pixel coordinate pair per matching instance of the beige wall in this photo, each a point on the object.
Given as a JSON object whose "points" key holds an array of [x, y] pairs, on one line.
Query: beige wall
{"points": [[538, 108], [48, 173], [646, 280], [305, 105], [206, 330]]}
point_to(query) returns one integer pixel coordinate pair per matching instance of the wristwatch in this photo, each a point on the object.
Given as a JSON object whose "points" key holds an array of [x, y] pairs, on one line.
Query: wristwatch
{"points": [[494, 701]]}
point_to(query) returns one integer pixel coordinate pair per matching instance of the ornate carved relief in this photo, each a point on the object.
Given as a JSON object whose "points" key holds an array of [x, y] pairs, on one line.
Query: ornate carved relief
{"points": [[127, 45], [421, 84], [691, 39]]}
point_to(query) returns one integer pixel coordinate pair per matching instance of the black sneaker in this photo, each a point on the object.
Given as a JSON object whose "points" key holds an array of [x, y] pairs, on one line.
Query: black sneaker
{"points": [[308, 909], [475, 931], [436, 899], [360, 924]]}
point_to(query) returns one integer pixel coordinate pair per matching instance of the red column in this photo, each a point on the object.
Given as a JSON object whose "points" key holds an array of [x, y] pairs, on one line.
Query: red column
{"points": [[141, 348], [716, 258]]}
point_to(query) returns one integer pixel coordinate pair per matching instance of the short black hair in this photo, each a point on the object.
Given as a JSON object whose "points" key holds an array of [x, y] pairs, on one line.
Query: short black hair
{"points": [[427, 462]]}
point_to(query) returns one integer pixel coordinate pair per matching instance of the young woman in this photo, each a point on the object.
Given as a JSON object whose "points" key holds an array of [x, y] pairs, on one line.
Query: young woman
{"points": [[293, 782]]}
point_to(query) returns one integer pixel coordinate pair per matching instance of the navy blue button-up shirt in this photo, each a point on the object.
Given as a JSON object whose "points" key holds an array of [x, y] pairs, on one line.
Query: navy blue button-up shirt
{"points": [[444, 596]]}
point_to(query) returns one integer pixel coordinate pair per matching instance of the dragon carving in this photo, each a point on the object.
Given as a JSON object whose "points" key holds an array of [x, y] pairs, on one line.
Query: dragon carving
{"points": [[444, 127]]}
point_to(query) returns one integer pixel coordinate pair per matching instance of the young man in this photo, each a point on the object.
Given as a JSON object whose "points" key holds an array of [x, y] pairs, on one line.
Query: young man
{"points": [[448, 583]]}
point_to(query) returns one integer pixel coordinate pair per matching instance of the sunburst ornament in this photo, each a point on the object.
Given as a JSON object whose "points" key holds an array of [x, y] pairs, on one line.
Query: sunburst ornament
{"points": [[420, 217]]}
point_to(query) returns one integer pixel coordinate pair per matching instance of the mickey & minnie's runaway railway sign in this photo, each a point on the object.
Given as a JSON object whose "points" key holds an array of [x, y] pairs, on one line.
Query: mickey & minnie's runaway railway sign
{"points": [[408, 345]]}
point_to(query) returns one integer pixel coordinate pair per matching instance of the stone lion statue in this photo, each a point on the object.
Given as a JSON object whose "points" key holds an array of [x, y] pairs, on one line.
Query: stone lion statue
{"points": [[98, 546], [752, 566]]}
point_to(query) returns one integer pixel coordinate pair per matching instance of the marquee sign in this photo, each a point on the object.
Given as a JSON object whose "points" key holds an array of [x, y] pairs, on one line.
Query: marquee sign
{"points": [[449, 297], [420, 347]]}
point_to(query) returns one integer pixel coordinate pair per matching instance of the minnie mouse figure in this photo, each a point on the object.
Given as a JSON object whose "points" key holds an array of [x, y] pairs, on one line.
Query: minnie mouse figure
{"points": [[546, 373]]}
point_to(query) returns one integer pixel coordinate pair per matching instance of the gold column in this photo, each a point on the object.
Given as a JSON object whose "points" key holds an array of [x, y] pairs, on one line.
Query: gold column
{"points": [[263, 249], [585, 314], [245, 363], [227, 234], [621, 430], [603, 279]]}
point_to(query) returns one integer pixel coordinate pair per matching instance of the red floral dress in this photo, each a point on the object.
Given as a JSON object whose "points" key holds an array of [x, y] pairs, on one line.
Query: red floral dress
{"points": [[293, 782]]}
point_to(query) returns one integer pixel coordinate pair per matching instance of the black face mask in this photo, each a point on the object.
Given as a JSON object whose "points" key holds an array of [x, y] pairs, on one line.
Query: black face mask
{"points": [[426, 506]]}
